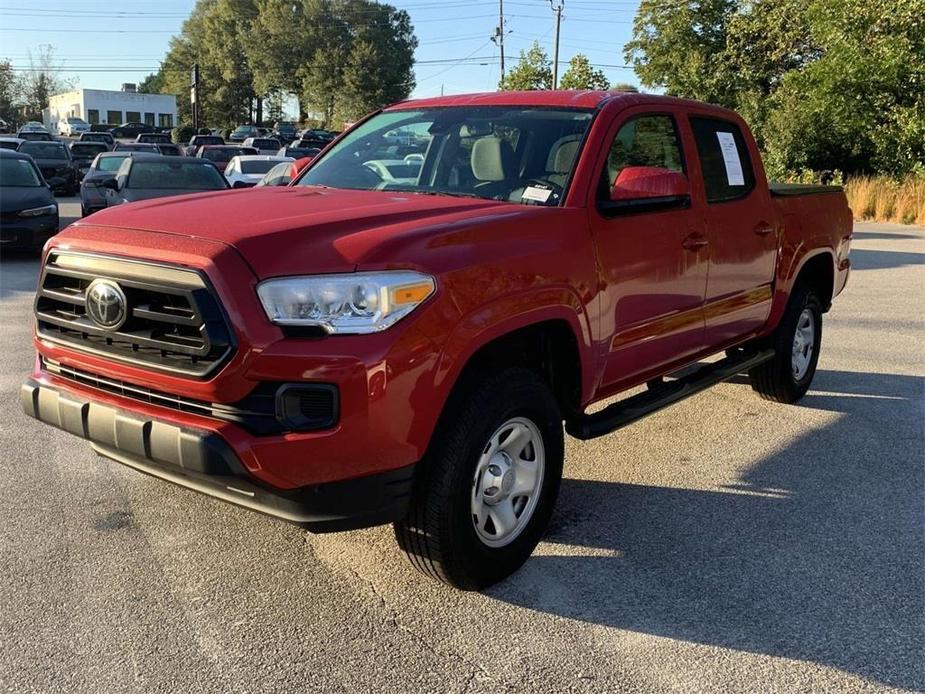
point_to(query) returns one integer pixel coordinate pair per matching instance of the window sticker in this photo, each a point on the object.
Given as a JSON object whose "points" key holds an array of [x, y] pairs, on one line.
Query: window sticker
{"points": [[734, 173], [536, 193]]}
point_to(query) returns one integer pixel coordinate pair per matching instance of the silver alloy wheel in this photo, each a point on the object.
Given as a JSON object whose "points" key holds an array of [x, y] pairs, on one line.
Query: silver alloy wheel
{"points": [[804, 339], [507, 482]]}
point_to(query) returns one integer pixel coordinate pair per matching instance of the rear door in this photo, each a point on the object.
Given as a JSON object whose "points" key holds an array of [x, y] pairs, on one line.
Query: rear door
{"points": [[741, 230]]}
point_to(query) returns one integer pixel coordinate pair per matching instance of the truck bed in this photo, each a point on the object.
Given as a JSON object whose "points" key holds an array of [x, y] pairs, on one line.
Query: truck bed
{"points": [[797, 189]]}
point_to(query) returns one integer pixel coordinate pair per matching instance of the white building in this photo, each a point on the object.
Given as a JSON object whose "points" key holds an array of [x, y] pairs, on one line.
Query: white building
{"points": [[112, 107]]}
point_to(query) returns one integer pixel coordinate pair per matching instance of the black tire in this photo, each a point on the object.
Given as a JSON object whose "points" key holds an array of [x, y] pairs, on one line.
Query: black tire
{"points": [[438, 533], [775, 379]]}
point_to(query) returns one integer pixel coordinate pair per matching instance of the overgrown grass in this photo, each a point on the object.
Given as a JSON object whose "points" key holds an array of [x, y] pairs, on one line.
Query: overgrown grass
{"points": [[884, 199]]}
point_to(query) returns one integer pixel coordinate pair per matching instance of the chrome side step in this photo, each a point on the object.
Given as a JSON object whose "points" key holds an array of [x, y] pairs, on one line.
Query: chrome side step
{"points": [[662, 394]]}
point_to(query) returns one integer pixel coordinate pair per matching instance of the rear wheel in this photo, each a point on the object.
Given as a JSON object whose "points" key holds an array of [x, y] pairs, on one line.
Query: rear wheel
{"points": [[797, 341], [488, 484]]}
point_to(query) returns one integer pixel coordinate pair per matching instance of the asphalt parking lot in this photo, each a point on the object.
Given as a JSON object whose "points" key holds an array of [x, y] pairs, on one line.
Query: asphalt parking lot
{"points": [[725, 544]]}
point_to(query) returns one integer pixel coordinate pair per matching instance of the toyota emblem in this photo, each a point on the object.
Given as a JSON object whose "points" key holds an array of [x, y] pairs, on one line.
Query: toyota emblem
{"points": [[106, 304]]}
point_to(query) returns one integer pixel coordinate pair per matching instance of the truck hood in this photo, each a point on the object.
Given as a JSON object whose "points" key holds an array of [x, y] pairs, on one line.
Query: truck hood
{"points": [[300, 230]]}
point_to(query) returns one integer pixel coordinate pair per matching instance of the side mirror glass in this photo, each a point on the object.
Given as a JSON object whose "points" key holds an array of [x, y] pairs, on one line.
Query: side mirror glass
{"points": [[646, 182], [242, 184], [110, 183]]}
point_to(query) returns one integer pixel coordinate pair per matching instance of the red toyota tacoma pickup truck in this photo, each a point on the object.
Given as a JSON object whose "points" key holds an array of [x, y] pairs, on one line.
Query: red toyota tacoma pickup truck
{"points": [[400, 335]]}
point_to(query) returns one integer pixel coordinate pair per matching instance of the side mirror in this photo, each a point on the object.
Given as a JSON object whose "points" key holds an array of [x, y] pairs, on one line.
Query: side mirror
{"points": [[110, 183], [647, 182], [55, 182], [242, 184]]}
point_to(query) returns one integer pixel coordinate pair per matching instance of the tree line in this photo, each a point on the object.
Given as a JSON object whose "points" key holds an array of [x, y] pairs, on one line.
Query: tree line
{"points": [[339, 58], [824, 84]]}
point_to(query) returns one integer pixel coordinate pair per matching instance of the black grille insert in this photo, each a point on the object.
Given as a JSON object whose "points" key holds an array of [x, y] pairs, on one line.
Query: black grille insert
{"points": [[174, 321]]}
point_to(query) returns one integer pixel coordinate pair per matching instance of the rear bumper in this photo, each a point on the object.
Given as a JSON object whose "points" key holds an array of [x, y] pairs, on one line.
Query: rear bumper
{"points": [[201, 460]]}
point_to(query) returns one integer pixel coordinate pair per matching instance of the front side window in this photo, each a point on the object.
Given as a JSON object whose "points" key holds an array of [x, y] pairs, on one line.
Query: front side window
{"points": [[110, 164], [727, 167], [646, 141], [512, 154]]}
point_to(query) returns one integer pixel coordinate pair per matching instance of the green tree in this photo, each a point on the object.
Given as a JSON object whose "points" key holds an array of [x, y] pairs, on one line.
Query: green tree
{"points": [[580, 75], [624, 87], [152, 84], [825, 84], [532, 72], [9, 92]]}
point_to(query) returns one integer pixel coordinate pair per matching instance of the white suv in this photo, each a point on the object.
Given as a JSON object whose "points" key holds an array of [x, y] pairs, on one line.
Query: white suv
{"points": [[69, 127]]}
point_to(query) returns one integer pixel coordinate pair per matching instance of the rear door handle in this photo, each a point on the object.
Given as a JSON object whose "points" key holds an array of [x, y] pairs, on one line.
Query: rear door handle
{"points": [[763, 229], [695, 242]]}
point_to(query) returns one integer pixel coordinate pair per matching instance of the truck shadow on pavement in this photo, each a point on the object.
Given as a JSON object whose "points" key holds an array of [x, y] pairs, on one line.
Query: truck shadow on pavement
{"points": [[816, 554], [862, 259]]}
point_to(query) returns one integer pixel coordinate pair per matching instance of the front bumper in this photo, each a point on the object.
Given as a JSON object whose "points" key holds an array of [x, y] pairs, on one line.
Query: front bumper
{"points": [[201, 460], [27, 233]]}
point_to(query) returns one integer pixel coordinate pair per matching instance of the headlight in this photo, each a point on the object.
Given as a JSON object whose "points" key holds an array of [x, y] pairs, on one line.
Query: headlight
{"points": [[357, 303], [39, 211]]}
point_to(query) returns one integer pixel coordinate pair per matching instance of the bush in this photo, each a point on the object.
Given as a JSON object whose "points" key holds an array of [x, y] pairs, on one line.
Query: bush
{"points": [[226, 133], [884, 199], [182, 134]]}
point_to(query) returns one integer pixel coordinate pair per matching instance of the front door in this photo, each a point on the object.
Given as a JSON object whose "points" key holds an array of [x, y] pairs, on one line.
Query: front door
{"points": [[652, 258], [743, 242]]}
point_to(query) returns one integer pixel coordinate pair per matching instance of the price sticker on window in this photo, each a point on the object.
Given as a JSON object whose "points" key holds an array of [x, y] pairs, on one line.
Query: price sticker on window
{"points": [[727, 144]]}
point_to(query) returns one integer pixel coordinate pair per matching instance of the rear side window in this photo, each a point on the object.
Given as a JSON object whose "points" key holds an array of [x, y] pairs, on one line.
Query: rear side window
{"points": [[727, 168]]}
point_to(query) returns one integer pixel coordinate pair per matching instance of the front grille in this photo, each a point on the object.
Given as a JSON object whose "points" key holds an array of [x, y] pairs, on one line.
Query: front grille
{"points": [[174, 322]]}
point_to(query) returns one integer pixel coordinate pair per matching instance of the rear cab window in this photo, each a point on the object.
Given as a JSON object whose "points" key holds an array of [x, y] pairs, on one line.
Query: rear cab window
{"points": [[727, 168]]}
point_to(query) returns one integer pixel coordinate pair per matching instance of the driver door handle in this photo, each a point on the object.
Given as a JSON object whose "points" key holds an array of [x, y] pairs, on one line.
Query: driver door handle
{"points": [[763, 229], [695, 242]]}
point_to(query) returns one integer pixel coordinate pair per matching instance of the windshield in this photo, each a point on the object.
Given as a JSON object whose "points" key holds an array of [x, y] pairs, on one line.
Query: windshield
{"points": [[110, 163], [76, 121], [172, 174], [86, 150], [18, 173], [522, 155], [257, 166], [44, 150], [220, 153], [263, 143]]}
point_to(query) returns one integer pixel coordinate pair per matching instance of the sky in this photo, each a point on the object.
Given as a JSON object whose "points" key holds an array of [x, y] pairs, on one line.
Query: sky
{"points": [[104, 43]]}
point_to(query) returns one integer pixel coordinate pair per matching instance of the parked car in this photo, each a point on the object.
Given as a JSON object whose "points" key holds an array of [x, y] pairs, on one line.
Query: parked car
{"points": [[242, 132], [347, 351], [106, 165], [197, 141], [83, 154], [28, 211], [10, 142], [33, 126], [98, 137], [71, 126], [54, 161], [285, 132], [136, 147], [319, 134], [169, 149], [35, 135], [132, 129], [298, 152], [263, 145], [144, 177], [220, 155], [4, 126], [154, 138], [245, 171], [310, 143]]}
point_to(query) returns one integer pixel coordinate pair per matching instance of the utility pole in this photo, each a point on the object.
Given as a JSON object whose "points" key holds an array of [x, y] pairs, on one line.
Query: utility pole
{"points": [[498, 37], [194, 95], [557, 8]]}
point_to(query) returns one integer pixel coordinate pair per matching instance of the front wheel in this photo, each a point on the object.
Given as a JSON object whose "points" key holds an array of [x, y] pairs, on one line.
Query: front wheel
{"points": [[488, 484], [797, 341]]}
